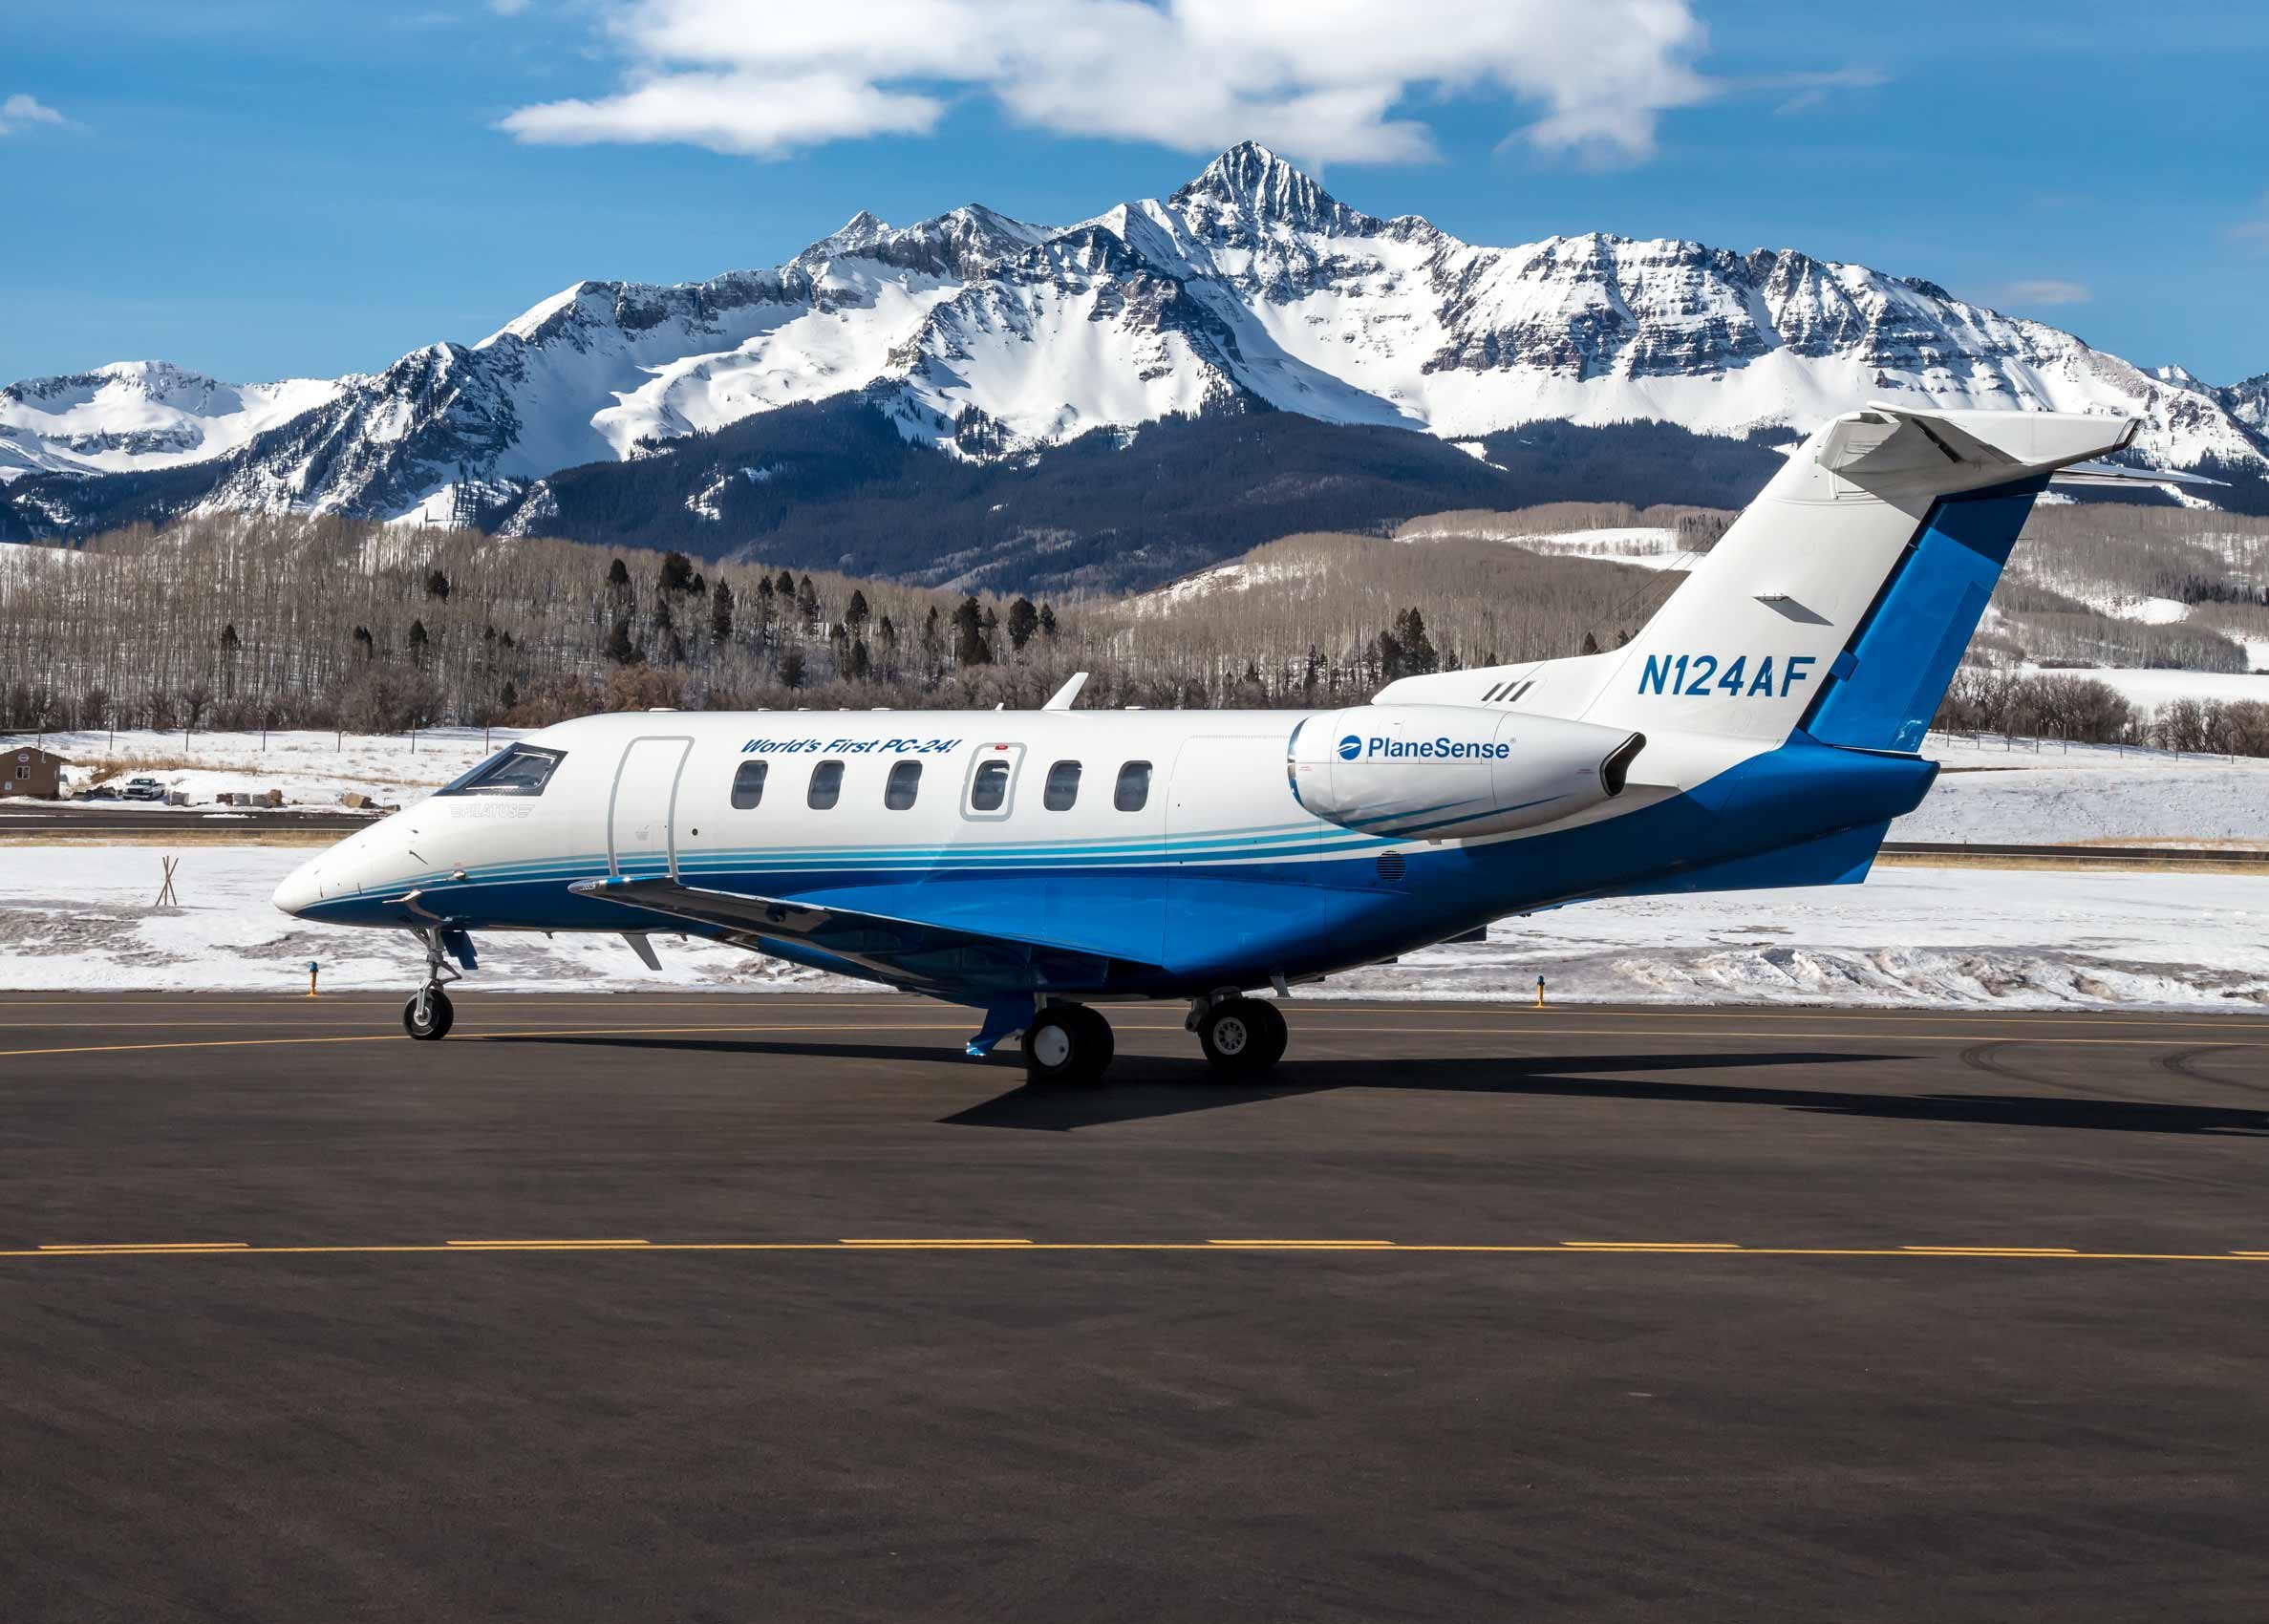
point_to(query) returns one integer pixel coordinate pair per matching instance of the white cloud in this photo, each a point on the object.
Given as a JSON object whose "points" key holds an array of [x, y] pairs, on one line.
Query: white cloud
{"points": [[19, 109], [1808, 90], [1321, 80], [2255, 230], [2044, 290]]}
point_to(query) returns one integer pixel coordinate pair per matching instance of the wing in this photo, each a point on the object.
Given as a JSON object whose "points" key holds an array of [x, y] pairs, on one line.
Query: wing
{"points": [[906, 952]]}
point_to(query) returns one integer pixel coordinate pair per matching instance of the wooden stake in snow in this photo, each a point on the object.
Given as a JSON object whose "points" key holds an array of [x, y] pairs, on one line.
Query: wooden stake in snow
{"points": [[165, 892]]}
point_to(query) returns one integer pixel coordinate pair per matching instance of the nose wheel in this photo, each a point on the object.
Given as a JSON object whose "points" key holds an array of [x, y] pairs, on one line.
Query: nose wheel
{"points": [[1241, 1036], [429, 1015]]}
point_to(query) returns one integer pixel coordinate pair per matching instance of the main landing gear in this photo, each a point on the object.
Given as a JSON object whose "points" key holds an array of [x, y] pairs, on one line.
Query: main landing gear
{"points": [[1242, 1036], [1067, 1043], [429, 1015], [1070, 1043]]}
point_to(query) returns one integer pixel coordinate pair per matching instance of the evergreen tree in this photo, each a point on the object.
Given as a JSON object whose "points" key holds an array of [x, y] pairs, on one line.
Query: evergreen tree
{"points": [[970, 647], [1023, 621], [720, 611], [785, 584], [1591, 643], [363, 645], [1048, 626], [678, 572], [862, 662], [856, 613], [436, 586], [807, 603], [418, 641], [618, 574], [933, 641], [1387, 650], [620, 649], [791, 667], [1418, 648]]}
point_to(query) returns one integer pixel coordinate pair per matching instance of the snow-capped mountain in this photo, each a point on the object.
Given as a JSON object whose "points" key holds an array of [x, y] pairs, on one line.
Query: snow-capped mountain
{"points": [[988, 338], [140, 415]]}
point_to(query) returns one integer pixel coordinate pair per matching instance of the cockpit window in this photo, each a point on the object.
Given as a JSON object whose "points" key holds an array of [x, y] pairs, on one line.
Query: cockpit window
{"points": [[517, 769]]}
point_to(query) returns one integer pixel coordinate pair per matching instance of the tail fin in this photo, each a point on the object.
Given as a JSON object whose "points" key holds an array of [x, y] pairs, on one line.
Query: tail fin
{"points": [[1843, 597]]}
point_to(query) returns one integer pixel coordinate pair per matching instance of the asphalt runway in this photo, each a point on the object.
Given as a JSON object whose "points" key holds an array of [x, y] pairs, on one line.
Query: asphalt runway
{"points": [[774, 1308]]}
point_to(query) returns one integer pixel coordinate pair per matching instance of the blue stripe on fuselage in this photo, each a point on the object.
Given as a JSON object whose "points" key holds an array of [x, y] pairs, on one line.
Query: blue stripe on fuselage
{"points": [[1301, 910]]}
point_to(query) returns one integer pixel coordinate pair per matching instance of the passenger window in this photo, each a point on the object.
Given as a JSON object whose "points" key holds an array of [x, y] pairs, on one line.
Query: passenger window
{"points": [[904, 784], [1134, 787], [1063, 786], [826, 785], [748, 784], [990, 787]]}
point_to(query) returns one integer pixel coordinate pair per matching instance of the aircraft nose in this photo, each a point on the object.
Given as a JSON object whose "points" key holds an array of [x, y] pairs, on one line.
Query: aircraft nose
{"points": [[302, 889]]}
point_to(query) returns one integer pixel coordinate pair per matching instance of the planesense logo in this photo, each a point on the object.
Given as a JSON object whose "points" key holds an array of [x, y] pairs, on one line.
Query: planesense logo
{"points": [[1442, 749]]}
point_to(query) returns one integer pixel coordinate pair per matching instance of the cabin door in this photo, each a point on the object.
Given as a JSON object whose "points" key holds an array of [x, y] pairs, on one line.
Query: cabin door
{"points": [[640, 818]]}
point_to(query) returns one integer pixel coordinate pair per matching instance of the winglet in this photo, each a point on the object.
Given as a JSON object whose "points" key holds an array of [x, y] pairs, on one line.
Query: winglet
{"points": [[1064, 695]]}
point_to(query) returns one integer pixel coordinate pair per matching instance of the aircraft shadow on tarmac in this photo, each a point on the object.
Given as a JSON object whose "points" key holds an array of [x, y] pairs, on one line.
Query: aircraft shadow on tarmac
{"points": [[1142, 1086]]}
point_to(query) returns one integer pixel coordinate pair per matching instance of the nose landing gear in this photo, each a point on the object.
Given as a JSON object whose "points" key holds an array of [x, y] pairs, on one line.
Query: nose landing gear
{"points": [[429, 1015]]}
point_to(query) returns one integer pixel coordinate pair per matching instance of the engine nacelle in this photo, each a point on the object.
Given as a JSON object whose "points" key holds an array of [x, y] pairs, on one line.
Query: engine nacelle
{"points": [[1445, 772]]}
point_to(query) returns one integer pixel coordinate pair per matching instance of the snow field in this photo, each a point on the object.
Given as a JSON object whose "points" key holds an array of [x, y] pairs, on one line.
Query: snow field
{"points": [[79, 917], [1994, 793], [312, 768]]}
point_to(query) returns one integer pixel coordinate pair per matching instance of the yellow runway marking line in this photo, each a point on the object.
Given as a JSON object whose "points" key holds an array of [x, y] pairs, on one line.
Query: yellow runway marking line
{"points": [[1318, 1245], [147, 1246], [545, 1246], [926, 1241], [1562, 1249]]}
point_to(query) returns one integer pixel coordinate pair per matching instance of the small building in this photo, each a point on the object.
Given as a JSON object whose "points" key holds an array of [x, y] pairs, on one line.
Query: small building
{"points": [[35, 773]]}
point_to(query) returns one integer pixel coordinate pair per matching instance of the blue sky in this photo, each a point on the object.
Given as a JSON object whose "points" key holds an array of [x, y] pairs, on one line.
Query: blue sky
{"points": [[262, 189]]}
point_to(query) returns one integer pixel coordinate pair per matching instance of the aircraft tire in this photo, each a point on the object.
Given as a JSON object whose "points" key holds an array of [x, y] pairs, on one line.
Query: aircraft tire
{"points": [[440, 1017], [1067, 1044], [1101, 1035], [1273, 1033], [1242, 1036]]}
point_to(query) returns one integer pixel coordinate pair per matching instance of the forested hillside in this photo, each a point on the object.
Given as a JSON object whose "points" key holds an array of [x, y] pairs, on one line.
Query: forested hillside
{"points": [[235, 620]]}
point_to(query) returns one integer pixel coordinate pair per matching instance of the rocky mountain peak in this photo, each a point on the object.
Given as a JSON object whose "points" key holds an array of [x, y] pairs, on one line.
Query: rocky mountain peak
{"points": [[1251, 186]]}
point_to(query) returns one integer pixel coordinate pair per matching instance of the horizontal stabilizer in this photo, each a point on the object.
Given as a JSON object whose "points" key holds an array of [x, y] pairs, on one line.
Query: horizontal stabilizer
{"points": [[2099, 473]]}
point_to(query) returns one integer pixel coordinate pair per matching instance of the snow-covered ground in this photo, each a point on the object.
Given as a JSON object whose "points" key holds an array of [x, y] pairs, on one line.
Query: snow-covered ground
{"points": [[1994, 793], [313, 769], [2027, 793], [1644, 546], [2151, 689], [80, 917]]}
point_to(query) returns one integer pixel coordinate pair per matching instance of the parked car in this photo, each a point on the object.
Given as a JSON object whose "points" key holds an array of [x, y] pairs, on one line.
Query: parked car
{"points": [[145, 789], [102, 792]]}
